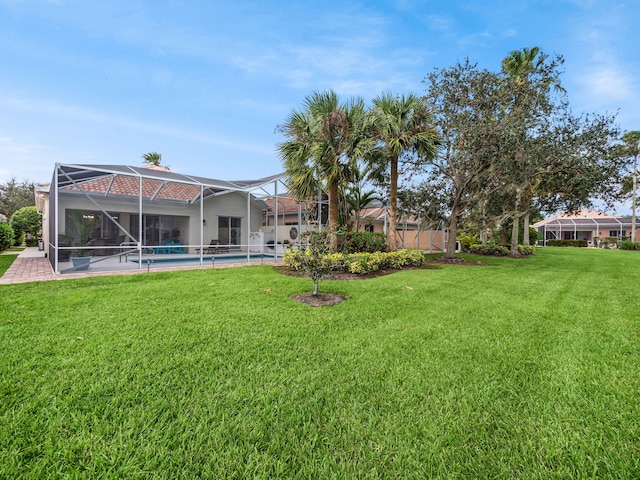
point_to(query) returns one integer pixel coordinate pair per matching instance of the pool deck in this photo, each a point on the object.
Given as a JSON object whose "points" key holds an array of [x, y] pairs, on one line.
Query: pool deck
{"points": [[32, 266]]}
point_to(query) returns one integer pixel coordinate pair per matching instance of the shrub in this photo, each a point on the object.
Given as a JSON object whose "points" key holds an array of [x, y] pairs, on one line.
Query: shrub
{"points": [[610, 242], [313, 260], [357, 263], [26, 221], [357, 242], [567, 243], [629, 245], [31, 242], [489, 250], [526, 250], [6, 236], [467, 240]]}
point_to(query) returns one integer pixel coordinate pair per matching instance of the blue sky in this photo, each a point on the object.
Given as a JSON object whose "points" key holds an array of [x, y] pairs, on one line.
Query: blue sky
{"points": [[205, 83]]}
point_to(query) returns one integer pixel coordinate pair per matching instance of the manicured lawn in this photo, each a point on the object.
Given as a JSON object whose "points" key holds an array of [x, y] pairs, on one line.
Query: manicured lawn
{"points": [[6, 260], [520, 369]]}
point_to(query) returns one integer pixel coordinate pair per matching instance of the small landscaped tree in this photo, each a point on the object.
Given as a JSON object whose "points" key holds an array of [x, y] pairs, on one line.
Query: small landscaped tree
{"points": [[313, 259]]}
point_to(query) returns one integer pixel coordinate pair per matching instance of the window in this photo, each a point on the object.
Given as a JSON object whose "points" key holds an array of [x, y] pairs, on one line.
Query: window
{"points": [[617, 233], [369, 228], [89, 225], [230, 231], [159, 229]]}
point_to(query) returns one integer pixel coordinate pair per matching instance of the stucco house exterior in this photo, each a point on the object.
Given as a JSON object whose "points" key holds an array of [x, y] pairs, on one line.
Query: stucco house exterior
{"points": [[585, 225], [298, 217], [106, 211]]}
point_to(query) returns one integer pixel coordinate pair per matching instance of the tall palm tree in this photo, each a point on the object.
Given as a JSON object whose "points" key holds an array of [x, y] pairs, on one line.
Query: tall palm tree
{"points": [[519, 63], [632, 145], [402, 126], [324, 140], [152, 158], [521, 68]]}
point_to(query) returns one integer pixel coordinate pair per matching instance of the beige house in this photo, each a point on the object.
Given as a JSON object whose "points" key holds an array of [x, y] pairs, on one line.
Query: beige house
{"points": [[107, 211], [585, 225], [298, 217]]}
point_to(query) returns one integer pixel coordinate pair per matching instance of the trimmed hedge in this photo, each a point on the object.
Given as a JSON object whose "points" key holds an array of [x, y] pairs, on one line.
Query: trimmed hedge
{"points": [[489, 250], [356, 242], [359, 263], [567, 243], [500, 250], [629, 245]]}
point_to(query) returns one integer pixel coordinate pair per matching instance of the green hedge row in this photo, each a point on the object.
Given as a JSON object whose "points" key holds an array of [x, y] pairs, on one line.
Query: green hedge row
{"points": [[567, 243], [358, 263], [500, 250], [490, 250], [629, 245]]}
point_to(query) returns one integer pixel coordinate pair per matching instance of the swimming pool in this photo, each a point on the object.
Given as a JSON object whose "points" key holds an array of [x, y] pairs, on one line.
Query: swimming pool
{"points": [[206, 259]]}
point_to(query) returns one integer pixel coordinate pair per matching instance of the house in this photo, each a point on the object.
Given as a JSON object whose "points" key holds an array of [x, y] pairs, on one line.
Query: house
{"points": [[298, 217], [585, 225], [105, 210]]}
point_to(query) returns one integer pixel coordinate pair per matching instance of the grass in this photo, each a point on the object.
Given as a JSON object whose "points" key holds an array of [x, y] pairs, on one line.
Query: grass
{"points": [[521, 369], [6, 259]]}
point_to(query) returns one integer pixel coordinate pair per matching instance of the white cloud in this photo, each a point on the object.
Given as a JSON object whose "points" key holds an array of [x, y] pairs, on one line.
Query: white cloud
{"points": [[609, 83]]}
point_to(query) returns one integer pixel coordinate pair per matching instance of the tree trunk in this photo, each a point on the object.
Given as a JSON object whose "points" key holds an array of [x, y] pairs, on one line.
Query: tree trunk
{"points": [[514, 236], [525, 238], [393, 205], [333, 216], [453, 231]]}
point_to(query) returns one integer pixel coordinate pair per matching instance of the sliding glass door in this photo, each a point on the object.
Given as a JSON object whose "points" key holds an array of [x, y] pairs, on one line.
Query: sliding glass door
{"points": [[230, 231]]}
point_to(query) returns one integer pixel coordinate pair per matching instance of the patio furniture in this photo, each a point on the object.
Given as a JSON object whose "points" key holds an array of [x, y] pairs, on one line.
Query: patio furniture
{"points": [[214, 247]]}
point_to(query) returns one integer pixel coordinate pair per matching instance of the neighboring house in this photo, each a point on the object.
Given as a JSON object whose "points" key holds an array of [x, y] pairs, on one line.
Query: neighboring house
{"points": [[585, 225], [303, 216], [146, 208]]}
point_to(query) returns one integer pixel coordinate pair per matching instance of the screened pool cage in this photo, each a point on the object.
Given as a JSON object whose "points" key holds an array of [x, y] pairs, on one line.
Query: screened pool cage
{"points": [[123, 217], [118, 217], [588, 229]]}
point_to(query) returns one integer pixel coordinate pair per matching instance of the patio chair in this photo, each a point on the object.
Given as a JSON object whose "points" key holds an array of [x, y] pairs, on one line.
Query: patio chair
{"points": [[213, 247]]}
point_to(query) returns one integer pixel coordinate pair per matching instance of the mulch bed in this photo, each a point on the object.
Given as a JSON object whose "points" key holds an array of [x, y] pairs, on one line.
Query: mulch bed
{"points": [[320, 300]]}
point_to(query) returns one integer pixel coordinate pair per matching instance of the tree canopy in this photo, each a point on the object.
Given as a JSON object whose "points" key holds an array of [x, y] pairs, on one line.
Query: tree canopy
{"points": [[14, 195], [490, 148]]}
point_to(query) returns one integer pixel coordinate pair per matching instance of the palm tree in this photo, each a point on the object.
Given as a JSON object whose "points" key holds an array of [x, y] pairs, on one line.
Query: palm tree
{"points": [[152, 158], [402, 126], [324, 140], [632, 145], [528, 86]]}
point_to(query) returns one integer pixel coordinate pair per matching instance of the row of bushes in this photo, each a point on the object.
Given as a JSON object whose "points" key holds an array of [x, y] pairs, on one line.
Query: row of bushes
{"points": [[355, 242], [567, 243], [357, 263], [629, 245], [500, 250]]}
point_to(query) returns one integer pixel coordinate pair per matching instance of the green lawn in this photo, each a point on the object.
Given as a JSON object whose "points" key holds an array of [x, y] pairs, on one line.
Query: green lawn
{"points": [[520, 369], [6, 259]]}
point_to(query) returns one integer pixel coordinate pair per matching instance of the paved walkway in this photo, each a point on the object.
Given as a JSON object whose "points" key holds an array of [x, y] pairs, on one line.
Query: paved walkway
{"points": [[32, 266]]}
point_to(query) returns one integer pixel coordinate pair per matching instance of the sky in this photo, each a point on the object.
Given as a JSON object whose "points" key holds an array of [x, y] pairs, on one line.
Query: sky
{"points": [[206, 83]]}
